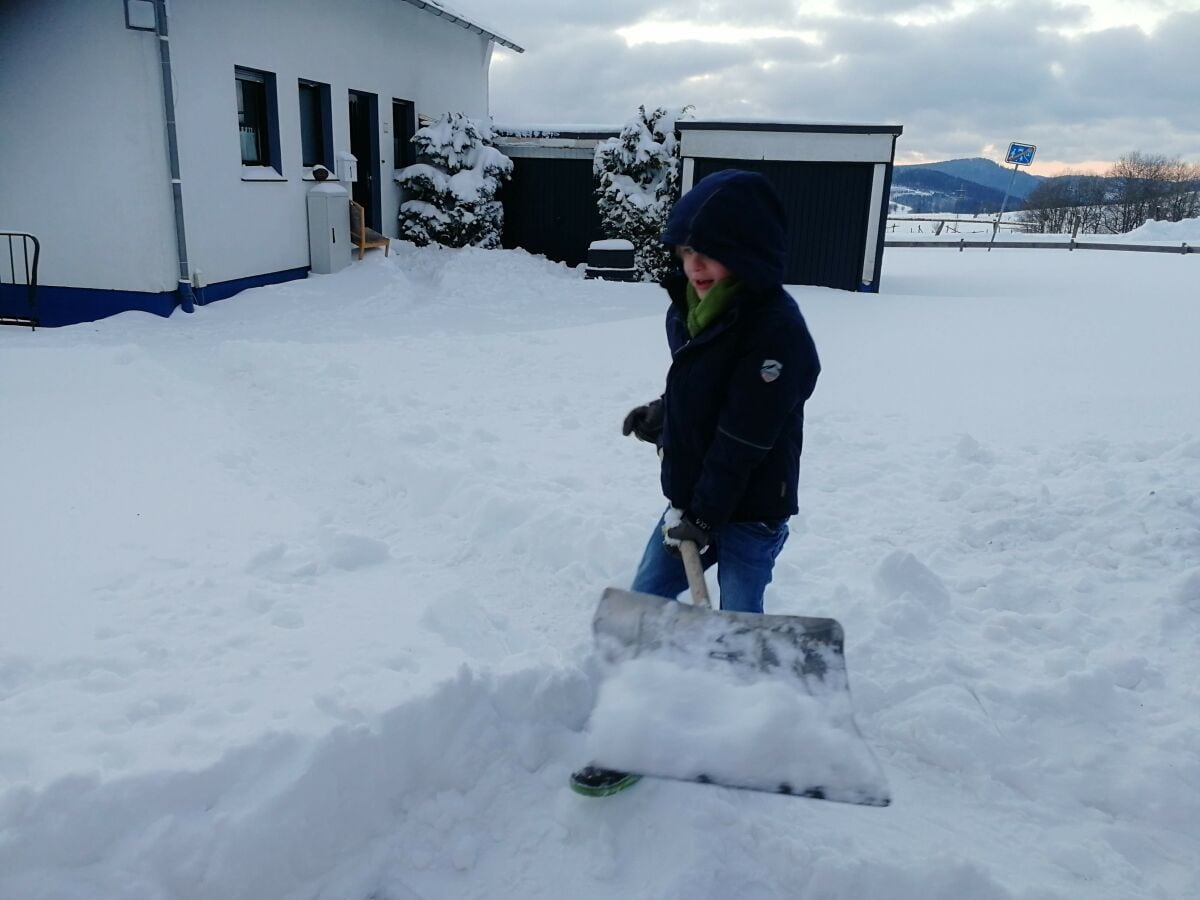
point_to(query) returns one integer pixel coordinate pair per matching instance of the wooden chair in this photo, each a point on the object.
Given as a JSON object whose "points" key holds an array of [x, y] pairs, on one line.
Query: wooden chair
{"points": [[362, 236]]}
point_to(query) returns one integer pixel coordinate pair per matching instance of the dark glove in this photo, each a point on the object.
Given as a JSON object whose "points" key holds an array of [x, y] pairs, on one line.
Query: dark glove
{"points": [[689, 529], [645, 422]]}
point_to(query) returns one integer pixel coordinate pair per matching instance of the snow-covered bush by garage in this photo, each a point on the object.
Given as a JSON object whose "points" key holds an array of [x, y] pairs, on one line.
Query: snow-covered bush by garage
{"points": [[452, 191], [638, 174]]}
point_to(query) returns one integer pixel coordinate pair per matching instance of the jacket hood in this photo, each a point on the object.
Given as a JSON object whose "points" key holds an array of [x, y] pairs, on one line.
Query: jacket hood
{"points": [[736, 218]]}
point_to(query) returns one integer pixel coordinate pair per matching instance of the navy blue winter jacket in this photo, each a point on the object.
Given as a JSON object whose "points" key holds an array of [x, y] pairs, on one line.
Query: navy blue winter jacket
{"points": [[733, 408]]}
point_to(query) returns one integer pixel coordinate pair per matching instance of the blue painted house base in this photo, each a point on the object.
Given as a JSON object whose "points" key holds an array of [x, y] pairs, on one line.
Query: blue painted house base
{"points": [[56, 306], [224, 289]]}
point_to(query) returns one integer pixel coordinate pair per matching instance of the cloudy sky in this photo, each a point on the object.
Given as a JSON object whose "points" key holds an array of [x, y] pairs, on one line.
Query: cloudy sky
{"points": [[1085, 81]]}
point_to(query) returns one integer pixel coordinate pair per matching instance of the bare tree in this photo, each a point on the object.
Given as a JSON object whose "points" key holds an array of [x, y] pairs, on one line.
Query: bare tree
{"points": [[1181, 198], [1047, 206], [1138, 187], [1069, 202], [1151, 186], [1090, 197]]}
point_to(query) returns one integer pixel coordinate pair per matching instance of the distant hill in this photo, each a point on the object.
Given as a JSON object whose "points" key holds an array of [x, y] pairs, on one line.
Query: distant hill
{"points": [[923, 190], [987, 173], [960, 185]]}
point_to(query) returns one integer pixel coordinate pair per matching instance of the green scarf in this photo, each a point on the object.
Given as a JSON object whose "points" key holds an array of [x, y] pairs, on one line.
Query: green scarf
{"points": [[702, 312]]}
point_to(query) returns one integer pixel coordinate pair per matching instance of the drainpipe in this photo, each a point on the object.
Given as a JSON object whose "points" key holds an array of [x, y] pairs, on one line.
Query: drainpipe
{"points": [[185, 298]]}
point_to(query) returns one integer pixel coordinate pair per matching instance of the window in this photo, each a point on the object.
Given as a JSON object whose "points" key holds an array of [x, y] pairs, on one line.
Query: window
{"points": [[258, 124], [252, 118], [316, 136], [404, 126], [140, 15]]}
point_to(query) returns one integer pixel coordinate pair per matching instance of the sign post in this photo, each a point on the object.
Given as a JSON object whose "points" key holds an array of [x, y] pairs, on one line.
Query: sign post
{"points": [[1018, 155]]}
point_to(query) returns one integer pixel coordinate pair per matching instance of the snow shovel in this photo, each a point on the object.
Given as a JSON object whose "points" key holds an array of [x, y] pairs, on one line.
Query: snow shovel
{"points": [[738, 699]]}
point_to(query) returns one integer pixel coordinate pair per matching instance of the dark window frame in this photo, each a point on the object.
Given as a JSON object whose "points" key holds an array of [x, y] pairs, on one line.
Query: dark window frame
{"points": [[258, 118], [316, 149], [404, 126]]}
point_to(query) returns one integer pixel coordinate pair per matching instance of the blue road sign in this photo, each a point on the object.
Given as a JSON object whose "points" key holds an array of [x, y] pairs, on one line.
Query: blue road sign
{"points": [[1020, 154]]}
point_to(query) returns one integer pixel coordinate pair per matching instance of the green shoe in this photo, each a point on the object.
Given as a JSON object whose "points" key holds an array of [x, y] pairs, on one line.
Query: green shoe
{"points": [[592, 781]]}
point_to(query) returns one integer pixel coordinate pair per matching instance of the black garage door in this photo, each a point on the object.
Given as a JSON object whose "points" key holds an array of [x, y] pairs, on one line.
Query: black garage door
{"points": [[828, 206], [550, 208]]}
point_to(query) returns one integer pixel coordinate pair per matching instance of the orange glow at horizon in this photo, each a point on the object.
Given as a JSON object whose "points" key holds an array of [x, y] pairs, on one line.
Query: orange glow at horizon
{"points": [[1046, 167], [1058, 167]]}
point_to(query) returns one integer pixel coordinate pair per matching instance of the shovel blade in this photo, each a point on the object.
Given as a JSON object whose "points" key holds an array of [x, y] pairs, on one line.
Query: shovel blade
{"points": [[808, 650], [739, 699]]}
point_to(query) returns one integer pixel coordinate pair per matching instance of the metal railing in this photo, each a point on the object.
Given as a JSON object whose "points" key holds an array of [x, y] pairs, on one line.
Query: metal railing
{"points": [[963, 243], [22, 270], [952, 223]]}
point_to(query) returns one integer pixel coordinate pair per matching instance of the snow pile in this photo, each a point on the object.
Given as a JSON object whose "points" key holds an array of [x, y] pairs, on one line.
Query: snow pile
{"points": [[1186, 231], [611, 244], [296, 592], [653, 717]]}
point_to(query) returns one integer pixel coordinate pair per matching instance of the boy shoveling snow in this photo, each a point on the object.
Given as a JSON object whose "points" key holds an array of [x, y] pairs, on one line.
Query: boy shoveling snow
{"points": [[729, 424]]}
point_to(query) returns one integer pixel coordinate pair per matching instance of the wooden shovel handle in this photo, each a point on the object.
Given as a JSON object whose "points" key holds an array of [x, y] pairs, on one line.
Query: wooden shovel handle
{"points": [[695, 574]]}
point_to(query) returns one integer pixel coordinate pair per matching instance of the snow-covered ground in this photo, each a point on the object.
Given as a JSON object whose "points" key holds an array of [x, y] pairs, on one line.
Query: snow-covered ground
{"points": [[924, 227], [295, 592]]}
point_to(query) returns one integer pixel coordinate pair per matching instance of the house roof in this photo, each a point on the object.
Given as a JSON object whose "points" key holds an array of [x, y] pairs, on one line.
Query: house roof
{"points": [[441, 10], [569, 132], [784, 125]]}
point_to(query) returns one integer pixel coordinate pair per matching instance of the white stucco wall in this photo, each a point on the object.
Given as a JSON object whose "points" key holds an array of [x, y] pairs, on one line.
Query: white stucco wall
{"points": [[388, 48], [83, 159]]}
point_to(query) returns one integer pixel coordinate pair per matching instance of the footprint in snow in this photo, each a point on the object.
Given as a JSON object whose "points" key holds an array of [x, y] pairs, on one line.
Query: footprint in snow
{"points": [[353, 551]]}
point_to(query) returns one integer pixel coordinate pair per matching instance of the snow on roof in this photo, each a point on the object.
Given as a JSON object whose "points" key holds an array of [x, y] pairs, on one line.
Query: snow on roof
{"points": [[438, 8], [742, 123], [555, 131]]}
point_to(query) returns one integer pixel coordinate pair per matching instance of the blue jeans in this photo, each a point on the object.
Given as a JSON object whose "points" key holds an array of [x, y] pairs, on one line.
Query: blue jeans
{"points": [[743, 552]]}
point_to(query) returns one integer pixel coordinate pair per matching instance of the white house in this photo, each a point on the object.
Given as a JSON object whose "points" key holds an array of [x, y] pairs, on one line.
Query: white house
{"points": [[161, 150]]}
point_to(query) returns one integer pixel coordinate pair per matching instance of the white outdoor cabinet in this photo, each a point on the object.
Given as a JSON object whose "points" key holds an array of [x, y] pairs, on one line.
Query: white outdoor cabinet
{"points": [[328, 228]]}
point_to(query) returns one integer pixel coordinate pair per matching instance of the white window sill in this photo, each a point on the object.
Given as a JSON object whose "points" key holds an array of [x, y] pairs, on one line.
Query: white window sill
{"points": [[261, 173]]}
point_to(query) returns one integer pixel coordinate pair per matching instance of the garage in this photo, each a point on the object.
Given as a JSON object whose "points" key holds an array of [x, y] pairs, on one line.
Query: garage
{"points": [[834, 181]]}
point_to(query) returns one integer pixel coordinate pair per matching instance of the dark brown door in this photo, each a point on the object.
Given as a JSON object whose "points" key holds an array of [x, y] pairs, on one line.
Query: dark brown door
{"points": [[364, 144]]}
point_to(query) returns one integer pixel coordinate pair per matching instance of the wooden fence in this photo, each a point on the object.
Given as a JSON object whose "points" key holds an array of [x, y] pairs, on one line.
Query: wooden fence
{"points": [[963, 243]]}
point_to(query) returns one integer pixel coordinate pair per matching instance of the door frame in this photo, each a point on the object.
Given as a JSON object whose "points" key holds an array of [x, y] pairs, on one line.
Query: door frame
{"points": [[364, 144]]}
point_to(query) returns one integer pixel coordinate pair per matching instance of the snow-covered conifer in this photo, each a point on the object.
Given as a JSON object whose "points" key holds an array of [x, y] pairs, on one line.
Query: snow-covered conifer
{"points": [[452, 190], [638, 174]]}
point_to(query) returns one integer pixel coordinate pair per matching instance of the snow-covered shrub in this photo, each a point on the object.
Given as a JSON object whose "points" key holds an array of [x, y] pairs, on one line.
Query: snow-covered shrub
{"points": [[452, 190], [638, 174]]}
